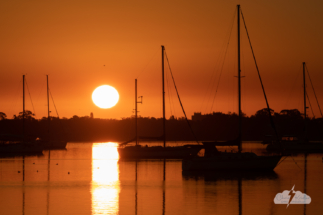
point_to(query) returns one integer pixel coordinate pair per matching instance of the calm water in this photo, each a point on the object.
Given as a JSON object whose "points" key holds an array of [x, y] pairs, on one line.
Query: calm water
{"points": [[87, 178]]}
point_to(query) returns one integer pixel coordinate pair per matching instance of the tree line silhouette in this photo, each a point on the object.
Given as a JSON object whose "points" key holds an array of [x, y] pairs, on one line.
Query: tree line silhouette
{"points": [[214, 126]]}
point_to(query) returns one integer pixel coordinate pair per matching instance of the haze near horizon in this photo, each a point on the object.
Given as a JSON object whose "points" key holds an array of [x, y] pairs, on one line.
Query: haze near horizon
{"points": [[82, 45]]}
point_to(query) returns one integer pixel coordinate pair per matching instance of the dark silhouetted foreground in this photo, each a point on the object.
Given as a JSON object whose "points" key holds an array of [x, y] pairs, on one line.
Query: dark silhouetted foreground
{"points": [[215, 126]]}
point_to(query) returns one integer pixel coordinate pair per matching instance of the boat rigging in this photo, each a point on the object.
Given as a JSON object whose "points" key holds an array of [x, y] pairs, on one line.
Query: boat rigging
{"points": [[216, 160], [158, 152]]}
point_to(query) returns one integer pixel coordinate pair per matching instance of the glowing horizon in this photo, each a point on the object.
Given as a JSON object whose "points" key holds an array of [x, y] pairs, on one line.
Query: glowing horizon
{"points": [[92, 44]]}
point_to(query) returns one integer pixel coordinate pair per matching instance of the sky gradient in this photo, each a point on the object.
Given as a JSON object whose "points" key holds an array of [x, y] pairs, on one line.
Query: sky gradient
{"points": [[84, 44]]}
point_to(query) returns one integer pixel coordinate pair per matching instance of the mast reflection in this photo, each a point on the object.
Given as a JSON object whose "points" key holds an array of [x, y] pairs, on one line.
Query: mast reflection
{"points": [[305, 178], [136, 190], [23, 187], [164, 178], [105, 178], [48, 179], [240, 181]]}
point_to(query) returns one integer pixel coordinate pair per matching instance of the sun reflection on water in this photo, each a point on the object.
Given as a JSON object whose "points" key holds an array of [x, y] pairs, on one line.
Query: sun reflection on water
{"points": [[105, 178]]}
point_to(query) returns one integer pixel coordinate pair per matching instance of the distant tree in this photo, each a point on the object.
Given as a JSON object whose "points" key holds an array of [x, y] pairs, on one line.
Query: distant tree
{"points": [[172, 117], [28, 115], [3, 116], [75, 117], [236, 114], [264, 112], [291, 113]]}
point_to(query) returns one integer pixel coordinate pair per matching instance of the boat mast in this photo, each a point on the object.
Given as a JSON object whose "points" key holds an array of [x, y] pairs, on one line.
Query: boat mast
{"points": [[23, 108], [48, 112], [163, 83], [239, 81], [304, 87], [136, 112]]}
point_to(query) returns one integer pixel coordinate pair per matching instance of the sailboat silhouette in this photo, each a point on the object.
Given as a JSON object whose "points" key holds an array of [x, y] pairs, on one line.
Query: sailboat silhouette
{"points": [[158, 152], [216, 160], [291, 143]]}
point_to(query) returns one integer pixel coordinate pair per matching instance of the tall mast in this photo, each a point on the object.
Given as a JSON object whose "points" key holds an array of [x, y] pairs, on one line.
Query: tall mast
{"points": [[239, 81], [163, 83], [136, 112], [48, 112], [304, 87], [23, 108]]}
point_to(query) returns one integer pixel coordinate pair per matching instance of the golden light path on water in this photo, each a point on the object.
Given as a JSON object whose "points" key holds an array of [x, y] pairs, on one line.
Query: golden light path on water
{"points": [[105, 178]]}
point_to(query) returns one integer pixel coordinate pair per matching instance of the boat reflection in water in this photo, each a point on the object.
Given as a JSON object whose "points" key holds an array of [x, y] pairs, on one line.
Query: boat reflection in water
{"points": [[105, 178], [238, 181], [144, 186], [89, 179]]}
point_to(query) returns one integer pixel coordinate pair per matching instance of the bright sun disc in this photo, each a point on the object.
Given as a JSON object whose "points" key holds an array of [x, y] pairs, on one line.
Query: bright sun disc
{"points": [[105, 96]]}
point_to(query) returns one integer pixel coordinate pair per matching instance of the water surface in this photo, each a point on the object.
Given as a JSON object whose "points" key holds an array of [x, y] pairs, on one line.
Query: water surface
{"points": [[88, 179]]}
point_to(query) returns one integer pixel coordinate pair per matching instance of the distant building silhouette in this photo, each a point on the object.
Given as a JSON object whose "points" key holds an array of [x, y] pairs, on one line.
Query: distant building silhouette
{"points": [[210, 126], [198, 116]]}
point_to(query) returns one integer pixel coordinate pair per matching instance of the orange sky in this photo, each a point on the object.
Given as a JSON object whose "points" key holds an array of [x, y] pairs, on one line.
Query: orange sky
{"points": [[84, 44]]}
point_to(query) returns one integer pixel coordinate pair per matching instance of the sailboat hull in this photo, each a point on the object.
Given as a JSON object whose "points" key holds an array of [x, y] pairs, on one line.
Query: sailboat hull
{"points": [[234, 162], [54, 145], [158, 152], [21, 148]]}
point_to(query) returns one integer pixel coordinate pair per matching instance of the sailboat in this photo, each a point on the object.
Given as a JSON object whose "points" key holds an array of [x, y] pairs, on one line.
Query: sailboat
{"points": [[21, 147], [291, 143], [157, 152], [48, 143], [216, 160]]}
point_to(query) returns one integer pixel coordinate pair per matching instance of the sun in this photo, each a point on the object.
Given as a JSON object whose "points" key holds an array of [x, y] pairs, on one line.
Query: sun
{"points": [[105, 96]]}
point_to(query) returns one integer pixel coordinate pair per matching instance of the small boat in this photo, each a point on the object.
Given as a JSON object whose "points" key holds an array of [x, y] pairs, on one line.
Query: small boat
{"points": [[216, 160], [21, 147], [51, 144], [159, 152], [156, 152], [292, 143], [227, 161]]}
